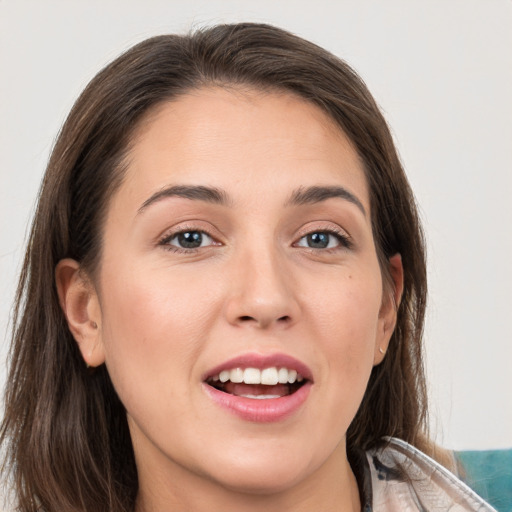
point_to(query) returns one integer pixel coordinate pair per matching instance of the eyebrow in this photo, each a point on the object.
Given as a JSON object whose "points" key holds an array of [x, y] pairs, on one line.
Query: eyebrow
{"points": [[312, 195], [301, 196], [195, 192]]}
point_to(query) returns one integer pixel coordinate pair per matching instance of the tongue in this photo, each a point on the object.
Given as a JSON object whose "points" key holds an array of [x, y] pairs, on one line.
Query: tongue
{"points": [[256, 389]]}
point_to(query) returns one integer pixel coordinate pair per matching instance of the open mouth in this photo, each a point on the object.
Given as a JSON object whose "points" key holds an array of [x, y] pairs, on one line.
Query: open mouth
{"points": [[267, 383]]}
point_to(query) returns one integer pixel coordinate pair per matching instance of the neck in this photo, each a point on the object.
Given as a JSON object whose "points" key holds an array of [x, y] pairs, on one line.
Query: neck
{"points": [[330, 488]]}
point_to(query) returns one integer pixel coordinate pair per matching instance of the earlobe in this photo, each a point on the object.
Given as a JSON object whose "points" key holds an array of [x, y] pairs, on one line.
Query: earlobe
{"points": [[389, 308], [79, 302]]}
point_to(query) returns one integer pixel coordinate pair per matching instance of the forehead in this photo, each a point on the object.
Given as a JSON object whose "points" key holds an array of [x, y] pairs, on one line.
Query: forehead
{"points": [[225, 137]]}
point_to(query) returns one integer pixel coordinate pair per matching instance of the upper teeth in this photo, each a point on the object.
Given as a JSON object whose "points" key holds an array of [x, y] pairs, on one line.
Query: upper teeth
{"points": [[267, 376]]}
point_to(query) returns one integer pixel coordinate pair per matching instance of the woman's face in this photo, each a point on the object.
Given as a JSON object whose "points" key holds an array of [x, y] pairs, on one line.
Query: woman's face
{"points": [[239, 247]]}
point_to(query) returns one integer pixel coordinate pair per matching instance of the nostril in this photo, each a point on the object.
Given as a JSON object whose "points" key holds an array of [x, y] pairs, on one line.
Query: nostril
{"points": [[264, 321], [247, 318]]}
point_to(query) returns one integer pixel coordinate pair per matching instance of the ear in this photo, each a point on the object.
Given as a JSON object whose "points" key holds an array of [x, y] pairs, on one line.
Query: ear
{"points": [[389, 308], [79, 302]]}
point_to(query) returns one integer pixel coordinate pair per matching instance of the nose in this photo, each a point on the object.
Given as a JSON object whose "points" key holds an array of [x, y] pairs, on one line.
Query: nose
{"points": [[262, 292]]}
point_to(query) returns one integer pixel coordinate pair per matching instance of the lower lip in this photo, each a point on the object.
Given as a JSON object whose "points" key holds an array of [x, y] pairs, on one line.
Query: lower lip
{"points": [[265, 410]]}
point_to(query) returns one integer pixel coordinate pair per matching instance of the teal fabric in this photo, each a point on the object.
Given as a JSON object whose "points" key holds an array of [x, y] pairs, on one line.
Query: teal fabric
{"points": [[489, 474]]}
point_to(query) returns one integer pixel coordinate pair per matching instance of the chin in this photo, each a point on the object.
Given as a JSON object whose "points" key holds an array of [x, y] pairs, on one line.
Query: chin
{"points": [[262, 477], [262, 483]]}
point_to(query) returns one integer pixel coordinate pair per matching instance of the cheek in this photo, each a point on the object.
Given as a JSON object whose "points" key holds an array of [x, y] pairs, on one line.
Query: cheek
{"points": [[347, 307], [347, 322], [152, 326]]}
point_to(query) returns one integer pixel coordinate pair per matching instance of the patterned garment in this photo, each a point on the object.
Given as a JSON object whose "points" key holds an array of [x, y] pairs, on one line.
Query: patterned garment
{"points": [[400, 478]]}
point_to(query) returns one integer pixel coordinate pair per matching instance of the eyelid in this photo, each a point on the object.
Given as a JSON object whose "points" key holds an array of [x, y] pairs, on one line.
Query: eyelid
{"points": [[168, 240], [344, 238], [170, 233]]}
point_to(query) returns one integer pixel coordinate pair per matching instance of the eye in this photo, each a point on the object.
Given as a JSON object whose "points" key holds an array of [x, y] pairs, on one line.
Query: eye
{"points": [[190, 239], [323, 240]]}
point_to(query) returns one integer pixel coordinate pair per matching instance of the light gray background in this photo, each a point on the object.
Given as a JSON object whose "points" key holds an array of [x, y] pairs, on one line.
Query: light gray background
{"points": [[442, 72]]}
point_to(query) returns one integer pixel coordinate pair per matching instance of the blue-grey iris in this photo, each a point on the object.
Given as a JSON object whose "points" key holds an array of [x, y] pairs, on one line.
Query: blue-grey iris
{"points": [[318, 240], [190, 239]]}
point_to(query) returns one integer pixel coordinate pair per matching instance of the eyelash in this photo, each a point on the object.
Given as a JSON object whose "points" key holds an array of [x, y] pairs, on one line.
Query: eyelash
{"points": [[344, 241], [165, 241]]}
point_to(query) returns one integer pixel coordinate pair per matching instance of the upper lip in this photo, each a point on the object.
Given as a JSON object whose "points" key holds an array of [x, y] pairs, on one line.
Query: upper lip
{"points": [[261, 361]]}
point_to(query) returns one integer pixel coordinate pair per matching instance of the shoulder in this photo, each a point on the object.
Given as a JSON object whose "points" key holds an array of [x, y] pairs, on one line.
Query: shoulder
{"points": [[405, 479]]}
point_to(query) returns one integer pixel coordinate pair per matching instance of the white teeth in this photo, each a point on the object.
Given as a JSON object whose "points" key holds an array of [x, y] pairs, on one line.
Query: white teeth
{"points": [[269, 376], [292, 376], [224, 375], [236, 375], [261, 397], [282, 376], [252, 376]]}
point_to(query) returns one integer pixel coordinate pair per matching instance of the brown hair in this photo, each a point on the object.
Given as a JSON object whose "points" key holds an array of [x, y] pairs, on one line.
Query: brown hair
{"points": [[65, 430]]}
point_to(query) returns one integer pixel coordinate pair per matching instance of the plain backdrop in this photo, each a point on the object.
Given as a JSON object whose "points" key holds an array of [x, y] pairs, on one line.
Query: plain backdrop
{"points": [[442, 73]]}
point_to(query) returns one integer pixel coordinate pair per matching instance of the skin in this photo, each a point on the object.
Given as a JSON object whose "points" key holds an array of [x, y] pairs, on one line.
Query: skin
{"points": [[160, 317]]}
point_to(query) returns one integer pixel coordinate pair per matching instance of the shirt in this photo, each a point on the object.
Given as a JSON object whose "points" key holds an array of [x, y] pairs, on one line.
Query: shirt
{"points": [[400, 478]]}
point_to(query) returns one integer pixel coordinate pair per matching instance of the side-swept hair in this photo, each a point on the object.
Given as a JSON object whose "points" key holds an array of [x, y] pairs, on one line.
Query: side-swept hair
{"points": [[65, 431]]}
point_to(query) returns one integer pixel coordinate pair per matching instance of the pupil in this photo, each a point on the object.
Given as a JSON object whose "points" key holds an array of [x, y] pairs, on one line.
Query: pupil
{"points": [[190, 239], [318, 240]]}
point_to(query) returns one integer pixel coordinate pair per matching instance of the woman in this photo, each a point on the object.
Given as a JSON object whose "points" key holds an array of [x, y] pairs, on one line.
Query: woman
{"points": [[222, 302]]}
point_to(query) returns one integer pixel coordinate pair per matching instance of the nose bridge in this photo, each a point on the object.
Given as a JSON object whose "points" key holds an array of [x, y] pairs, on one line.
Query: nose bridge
{"points": [[262, 291]]}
